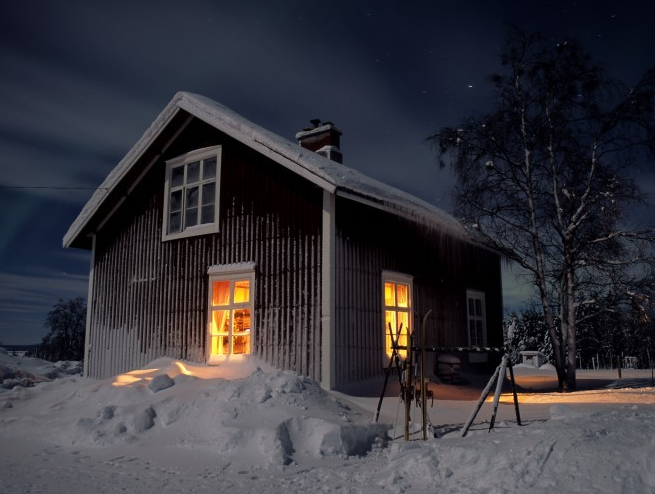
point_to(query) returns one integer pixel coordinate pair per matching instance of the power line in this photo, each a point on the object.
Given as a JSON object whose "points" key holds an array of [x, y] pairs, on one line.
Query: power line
{"points": [[50, 187]]}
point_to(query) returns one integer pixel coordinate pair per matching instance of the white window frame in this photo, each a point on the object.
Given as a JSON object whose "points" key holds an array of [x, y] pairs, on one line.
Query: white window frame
{"points": [[231, 273], [185, 160], [472, 296], [394, 277]]}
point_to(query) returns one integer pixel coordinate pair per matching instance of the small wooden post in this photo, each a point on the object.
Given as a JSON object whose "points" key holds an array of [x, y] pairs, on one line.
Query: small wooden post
{"points": [[483, 396], [499, 387], [516, 398], [408, 384], [618, 365], [424, 391]]}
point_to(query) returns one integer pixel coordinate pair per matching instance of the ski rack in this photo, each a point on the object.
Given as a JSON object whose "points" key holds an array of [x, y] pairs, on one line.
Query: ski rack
{"points": [[497, 378], [421, 394]]}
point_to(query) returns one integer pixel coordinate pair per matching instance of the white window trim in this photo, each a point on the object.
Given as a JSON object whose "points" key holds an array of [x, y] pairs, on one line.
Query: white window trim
{"points": [[395, 277], [223, 273], [202, 229], [474, 294]]}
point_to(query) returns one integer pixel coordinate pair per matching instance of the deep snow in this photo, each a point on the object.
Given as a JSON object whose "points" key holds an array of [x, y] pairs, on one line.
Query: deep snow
{"points": [[246, 427]]}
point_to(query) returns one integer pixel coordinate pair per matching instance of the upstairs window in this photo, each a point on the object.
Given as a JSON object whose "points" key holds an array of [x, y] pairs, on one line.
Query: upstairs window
{"points": [[476, 317], [397, 312], [192, 192]]}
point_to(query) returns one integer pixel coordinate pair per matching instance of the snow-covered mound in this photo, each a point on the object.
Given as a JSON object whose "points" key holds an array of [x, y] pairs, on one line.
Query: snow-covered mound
{"points": [[265, 417], [245, 427]]}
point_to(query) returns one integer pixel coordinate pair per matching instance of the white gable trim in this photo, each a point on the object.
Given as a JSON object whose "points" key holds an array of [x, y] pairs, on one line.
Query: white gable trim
{"points": [[328, 175], [119, 172]]}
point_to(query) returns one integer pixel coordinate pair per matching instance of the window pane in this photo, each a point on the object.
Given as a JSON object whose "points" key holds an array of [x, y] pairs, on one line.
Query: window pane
{"points": [[403, 295], [471, 307], [389, 294], [241, 291], [220, 322], [241, 332], [472, 334], [221, 293], [177, 176], [478, 307], [220, 345], [192, 197], [403, 319], [193, 172], [174, 222], [207, 214], [389, 321], [209, 168], [191, 217], [209, 193], [241, 321], [175, 203]]}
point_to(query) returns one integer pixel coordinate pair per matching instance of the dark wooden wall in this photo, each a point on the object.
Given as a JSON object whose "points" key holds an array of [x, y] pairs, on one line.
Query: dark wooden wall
{"points": [[443, 267], [150, 298]]}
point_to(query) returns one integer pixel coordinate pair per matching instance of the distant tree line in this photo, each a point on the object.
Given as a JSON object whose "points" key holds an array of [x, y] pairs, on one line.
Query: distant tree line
{"points": [[66, 324], [608, 336]]}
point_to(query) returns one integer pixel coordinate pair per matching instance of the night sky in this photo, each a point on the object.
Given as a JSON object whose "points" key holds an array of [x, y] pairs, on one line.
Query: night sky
{"points": [[80, 82]]}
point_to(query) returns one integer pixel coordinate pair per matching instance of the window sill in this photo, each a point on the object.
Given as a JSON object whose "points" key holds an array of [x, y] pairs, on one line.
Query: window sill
{"points": [[194, 231]]}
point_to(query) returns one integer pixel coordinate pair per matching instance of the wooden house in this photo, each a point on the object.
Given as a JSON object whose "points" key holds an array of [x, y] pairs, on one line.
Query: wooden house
{"points": [[216, 239]]}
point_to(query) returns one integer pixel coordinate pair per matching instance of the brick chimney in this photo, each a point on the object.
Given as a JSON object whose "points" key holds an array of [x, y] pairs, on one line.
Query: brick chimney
{"points": [[322, 138]]}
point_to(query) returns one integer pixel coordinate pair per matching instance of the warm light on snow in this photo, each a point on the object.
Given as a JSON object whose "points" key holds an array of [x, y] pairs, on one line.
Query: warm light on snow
{"points": [[242, 426], [236, 368], [644, 396], [173, 370]]}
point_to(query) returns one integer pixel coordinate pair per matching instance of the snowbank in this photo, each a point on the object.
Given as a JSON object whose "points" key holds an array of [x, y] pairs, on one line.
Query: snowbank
{"points": [[245, 427], [264, 418]]}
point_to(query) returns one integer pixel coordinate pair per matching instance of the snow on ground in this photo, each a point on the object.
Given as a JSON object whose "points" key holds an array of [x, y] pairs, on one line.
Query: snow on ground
{"points": [[25, 372], [245, 427]]}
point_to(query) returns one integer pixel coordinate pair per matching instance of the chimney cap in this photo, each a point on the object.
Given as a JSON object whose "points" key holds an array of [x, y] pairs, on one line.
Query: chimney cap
{"points": [[317, 128]]}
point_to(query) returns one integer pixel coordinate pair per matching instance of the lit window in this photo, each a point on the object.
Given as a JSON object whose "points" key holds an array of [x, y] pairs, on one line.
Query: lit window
{"points": [[476, 319], [397, 311], [191, 201], [231, 308]]}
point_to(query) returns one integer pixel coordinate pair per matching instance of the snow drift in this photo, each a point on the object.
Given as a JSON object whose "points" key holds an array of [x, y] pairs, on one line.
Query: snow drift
{"points": [[264, 418], [245, 427]]}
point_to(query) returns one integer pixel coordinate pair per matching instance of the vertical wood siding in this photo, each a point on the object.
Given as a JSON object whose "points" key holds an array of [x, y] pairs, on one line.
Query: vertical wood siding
{"points": [[150, 298], [442, 266]]}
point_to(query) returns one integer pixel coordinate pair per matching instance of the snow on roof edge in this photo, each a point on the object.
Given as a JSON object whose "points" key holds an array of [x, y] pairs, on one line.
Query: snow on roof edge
{"points": [[289, 154], [312, 166], [336, 174], [123, 166]]}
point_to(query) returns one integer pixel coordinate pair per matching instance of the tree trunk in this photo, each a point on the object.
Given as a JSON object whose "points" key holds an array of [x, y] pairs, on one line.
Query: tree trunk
{"points": [[571, 384], [554, 338]]}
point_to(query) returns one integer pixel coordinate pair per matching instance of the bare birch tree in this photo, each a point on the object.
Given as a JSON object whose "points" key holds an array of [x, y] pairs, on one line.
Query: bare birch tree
{"points": [[547, 177]]}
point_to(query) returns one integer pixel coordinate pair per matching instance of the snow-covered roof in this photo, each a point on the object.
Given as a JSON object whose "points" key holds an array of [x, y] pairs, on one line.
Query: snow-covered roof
{"points": [[331, 176]]}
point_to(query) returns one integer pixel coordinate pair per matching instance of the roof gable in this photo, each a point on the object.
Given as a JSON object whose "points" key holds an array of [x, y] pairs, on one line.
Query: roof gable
{"points": [[329, 175]]}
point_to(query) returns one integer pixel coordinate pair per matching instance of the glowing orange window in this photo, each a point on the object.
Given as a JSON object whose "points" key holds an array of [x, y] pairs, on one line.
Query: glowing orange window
{"points": [[397, 313], [231, 317]]}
